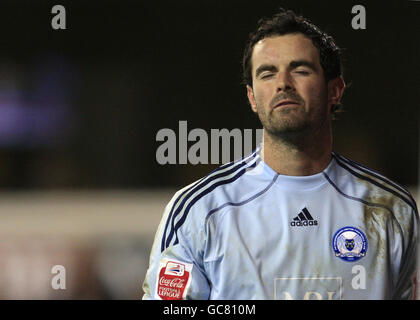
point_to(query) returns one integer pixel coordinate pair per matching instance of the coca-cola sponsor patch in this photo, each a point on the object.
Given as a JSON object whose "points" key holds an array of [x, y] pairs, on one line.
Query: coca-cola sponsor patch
{"points": [[174, 278]]}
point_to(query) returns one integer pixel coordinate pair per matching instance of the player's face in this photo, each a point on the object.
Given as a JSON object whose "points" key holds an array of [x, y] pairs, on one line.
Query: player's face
{"points": [[289, 92]]}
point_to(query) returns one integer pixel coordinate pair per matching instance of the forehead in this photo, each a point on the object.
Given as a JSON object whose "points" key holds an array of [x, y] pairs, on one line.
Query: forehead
{"points": [[283, 49]]}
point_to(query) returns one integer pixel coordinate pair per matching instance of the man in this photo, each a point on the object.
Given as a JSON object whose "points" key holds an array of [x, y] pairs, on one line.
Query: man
{"points": [[293, 220]]}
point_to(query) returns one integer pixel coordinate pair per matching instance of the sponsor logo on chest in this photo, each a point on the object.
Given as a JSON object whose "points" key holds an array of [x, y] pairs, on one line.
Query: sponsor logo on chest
{"points": [[304, 219]]}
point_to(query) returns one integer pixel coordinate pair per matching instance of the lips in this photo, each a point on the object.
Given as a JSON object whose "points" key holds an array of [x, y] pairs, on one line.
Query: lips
{"points": [[284, 103]]}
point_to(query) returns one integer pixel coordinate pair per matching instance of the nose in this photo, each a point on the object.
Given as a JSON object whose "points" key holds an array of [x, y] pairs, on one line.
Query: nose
{"points": [[284, 82]]}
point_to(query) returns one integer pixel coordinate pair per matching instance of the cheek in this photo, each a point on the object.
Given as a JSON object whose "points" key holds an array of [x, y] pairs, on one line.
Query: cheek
{"points": [[262, 96], [314, 93]]}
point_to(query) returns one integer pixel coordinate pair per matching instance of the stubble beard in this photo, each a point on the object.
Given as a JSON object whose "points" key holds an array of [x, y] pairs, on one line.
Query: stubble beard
{"points": [[291, 125], [284, 123]]}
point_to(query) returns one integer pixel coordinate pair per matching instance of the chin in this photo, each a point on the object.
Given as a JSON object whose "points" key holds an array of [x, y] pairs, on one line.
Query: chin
{"points": [[288, 127]]}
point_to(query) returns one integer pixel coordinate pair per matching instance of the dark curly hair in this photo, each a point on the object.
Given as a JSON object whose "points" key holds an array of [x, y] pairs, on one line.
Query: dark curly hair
{"points": [[287, 22]]}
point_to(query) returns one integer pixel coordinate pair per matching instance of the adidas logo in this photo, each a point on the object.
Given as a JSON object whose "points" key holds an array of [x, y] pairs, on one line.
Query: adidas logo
{"points": [[304, 219]]}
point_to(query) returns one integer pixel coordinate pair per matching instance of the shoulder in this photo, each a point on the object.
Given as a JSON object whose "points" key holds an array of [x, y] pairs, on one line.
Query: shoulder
{"points": [[374, 189], [190, 205]]}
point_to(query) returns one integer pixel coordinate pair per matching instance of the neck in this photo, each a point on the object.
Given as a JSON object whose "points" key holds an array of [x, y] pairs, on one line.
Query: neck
{"points": [[299, 156]]}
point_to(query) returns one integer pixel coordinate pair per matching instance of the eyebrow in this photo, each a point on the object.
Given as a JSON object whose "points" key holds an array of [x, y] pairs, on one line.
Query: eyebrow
{"points": [[297, 63], [265, 67], [292, 65]]}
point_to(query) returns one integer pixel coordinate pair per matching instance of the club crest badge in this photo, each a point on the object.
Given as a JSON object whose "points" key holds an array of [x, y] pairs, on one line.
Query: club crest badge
{"points": [[349, 244]]}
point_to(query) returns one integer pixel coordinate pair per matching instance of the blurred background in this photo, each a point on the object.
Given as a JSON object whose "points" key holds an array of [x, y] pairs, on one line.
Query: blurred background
{"points": [[80, 109]]}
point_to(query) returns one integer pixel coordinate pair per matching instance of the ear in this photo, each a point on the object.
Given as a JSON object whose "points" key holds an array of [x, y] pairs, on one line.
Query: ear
{"points": [[251, 98], [336, 88]]}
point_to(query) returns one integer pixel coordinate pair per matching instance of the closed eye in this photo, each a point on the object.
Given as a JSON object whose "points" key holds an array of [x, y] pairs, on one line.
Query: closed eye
{"points": [[303, 72], [266, 76]]}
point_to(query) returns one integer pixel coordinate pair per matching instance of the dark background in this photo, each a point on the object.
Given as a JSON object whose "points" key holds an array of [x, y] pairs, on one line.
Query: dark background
{"points": [[80, 108]]}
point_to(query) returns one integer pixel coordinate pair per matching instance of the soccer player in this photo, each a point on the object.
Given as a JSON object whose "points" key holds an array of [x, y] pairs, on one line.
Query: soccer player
{"points": [[293, 220]]}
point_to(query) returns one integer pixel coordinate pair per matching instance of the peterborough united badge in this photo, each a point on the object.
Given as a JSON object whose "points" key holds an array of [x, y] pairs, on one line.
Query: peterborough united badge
{"points": [[349, 244], [173, 280]]}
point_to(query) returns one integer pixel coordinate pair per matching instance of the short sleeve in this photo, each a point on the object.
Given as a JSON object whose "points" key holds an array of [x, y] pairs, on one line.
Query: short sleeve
{"points": [[175, 272], [406, 285]]}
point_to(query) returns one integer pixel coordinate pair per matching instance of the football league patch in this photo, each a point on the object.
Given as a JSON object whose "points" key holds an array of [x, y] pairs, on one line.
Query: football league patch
{"points": [[349, 244], [173, 280]]}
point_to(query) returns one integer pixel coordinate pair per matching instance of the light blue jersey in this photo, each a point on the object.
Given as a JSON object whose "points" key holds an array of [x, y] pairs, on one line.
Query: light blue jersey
{"points": [[246, 232]]}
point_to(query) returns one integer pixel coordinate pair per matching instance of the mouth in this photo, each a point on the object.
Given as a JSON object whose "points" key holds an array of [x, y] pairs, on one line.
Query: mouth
{"points": [[285, 103]]}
